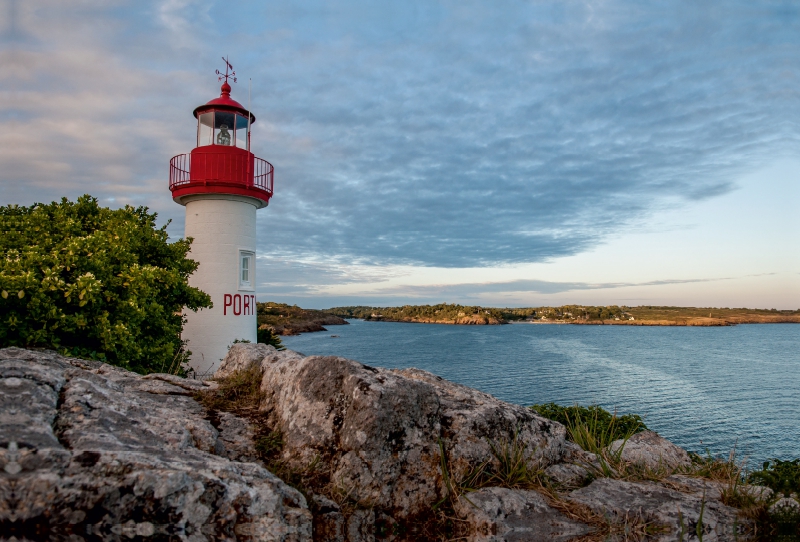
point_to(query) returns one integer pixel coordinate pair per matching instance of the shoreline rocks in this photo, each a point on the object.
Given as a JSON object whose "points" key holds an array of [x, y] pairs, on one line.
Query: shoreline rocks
{"points": [[93, 450], [381, 432], [647, 449]]}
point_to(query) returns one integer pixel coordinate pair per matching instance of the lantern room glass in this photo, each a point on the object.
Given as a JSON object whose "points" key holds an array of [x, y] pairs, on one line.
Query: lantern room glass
{"points": [[241, 132], [222, 128], [205, 129]]}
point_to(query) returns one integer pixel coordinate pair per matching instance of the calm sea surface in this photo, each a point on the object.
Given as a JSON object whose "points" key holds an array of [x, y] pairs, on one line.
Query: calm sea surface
{"points": [[702, 388]]}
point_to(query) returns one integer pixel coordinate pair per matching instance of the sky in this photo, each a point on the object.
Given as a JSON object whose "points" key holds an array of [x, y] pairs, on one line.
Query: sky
{"points": [[500, 153]]}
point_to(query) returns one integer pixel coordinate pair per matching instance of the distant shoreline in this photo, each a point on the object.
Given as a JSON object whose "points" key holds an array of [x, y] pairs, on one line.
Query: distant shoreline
{"points": [[688, 322], [681, 322], [287, 319]]}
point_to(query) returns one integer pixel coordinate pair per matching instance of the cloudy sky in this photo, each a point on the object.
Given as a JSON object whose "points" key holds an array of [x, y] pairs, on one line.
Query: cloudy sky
{"points": [[497, 153]]}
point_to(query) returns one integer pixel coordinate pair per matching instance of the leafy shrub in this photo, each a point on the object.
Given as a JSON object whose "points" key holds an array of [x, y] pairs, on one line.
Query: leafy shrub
{"points": [[779, 476], [267, 335], [94, 282], [592, 423]]}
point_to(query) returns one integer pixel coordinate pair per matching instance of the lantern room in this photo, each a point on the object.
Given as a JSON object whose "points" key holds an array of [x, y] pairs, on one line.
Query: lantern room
{"points": [[223, 121], [222, 161]]}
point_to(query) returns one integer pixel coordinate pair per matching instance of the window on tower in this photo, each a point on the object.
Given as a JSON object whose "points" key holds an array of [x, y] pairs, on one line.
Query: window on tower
{"points": [[246, 270]]}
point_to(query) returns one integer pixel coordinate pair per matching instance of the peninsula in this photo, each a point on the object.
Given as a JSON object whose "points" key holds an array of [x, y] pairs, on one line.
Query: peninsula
{"points": [[570, 314], [286, 319]]}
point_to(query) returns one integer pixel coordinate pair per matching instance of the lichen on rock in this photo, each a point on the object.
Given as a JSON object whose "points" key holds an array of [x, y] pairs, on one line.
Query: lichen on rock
{"points": [[92, 449], [380, 432]]}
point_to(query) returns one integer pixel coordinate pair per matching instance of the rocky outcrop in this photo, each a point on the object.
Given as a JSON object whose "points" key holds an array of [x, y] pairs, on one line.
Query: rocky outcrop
{"points": [[305, 325], [471, 320], [679, 515], [388, 437], [497, 514], [649, 450], [89, 449], [380, 433]]}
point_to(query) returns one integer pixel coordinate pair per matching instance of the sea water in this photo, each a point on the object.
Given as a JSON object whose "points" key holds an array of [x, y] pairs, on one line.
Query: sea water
{"points": [[704, 388]]}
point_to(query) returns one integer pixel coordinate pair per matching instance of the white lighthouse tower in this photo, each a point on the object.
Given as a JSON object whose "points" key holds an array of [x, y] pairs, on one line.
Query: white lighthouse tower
{"points": [[222, 185]]}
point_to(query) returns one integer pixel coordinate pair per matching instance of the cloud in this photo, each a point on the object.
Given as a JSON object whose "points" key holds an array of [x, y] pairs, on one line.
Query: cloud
{"points": [[472, 290], [282, 277], [454, 134], [513, 292]]}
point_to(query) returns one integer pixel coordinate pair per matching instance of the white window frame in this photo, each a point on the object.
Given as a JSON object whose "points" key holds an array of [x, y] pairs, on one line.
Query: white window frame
{"points": [[248, 285]]}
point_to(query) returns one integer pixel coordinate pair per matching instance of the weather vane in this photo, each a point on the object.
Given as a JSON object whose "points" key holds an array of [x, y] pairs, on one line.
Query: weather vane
{"points": [[225, 75]]}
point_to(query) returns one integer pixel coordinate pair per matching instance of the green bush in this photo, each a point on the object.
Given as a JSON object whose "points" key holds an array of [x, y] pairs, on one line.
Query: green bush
{"points": [[267, 335], [599, 420], [780, 476], [94, 282]]}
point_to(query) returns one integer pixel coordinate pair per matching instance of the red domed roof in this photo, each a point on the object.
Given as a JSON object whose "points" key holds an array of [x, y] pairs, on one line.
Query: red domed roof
{"points": [[224, 103]]}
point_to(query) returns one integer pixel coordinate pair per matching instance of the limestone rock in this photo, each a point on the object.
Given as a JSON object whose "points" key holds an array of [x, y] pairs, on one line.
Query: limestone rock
{"points": [[677, 512], [236, 436], [567, 475], [329, 522], [498, 515], [697, 486], [90, 448], [650, 450], [469, 418], [243, 355], [759, 493], [361, 526], [379, 432]]}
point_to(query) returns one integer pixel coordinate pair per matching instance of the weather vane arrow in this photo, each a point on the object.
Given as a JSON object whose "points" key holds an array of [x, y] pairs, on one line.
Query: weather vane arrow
{"points": [[229, 73]]}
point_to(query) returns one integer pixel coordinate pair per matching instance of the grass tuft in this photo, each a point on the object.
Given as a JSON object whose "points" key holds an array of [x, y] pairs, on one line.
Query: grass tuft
{"points": [[593, 426], [239, 392]]}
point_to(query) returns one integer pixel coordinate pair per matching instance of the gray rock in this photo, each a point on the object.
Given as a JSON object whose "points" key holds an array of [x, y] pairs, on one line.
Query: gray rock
{"points": [[378, 432], [361, 526], [567, 475], [92, 448], [470, 418], [678, 512], [697, 486], [652, 451], [759, 493], [329, 522], [237, 437], [498, 515], [241, 356]]}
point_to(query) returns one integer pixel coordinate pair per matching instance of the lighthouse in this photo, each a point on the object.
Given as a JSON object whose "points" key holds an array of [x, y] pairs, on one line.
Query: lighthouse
{"points": [[222, 185]]}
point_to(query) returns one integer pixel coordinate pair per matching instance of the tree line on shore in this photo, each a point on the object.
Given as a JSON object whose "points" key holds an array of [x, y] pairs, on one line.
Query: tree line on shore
{"points": [[566, 313]]}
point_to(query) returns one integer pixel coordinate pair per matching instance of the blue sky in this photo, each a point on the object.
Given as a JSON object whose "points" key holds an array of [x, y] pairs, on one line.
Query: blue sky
{"points": [[496, 153]]}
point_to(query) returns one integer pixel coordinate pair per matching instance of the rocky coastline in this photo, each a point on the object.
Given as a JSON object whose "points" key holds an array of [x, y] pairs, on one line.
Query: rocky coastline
{"points": [[306, 326], [287, 447], [472, 320]]}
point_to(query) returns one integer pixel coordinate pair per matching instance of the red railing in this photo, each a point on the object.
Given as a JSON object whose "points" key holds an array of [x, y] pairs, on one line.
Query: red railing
{"points": [[263, 173], [231, 170], [179, 170]]}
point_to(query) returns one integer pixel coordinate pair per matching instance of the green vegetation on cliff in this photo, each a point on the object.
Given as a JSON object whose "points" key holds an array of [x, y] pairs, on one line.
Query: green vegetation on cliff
{"points": [[286, 319], [605, 426], [441, 313], [574, 314]]}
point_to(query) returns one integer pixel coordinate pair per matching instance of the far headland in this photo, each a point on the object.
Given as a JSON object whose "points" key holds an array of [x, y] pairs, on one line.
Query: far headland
{"points": [[291, 319]]}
